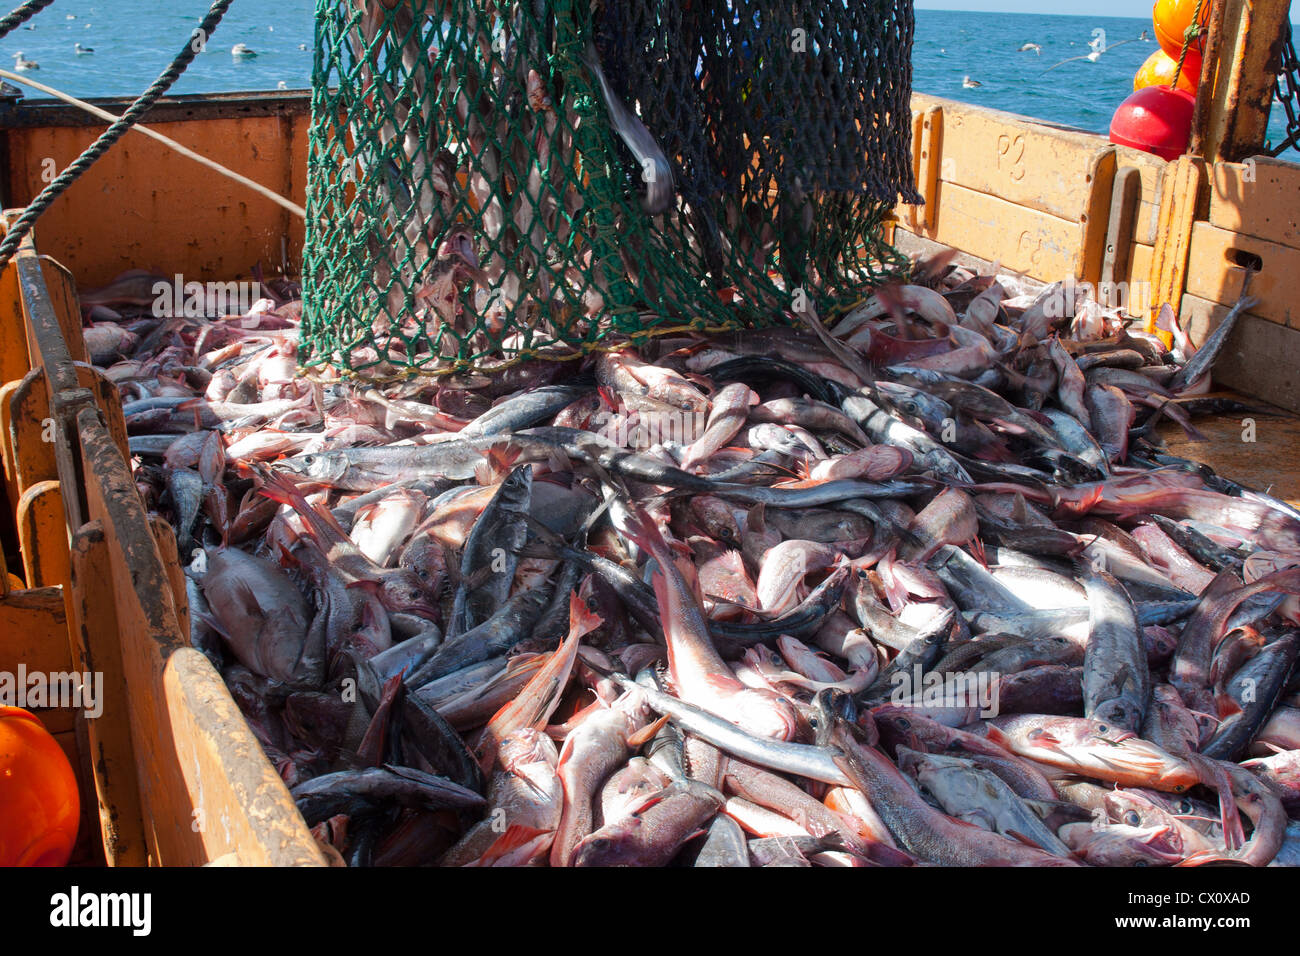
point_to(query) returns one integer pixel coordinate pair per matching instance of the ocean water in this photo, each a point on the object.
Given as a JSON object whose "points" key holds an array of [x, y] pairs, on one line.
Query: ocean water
{"points": [[134, 39]]}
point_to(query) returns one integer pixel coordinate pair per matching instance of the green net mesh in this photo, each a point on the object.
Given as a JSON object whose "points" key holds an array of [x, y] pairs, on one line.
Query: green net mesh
{"points": [[495, 181]]}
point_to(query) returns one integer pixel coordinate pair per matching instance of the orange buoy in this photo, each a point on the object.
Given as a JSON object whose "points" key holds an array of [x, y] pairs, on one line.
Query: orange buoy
{"points": [[39, 806], [1158, 70], [1155, 119], [1171, 19]]}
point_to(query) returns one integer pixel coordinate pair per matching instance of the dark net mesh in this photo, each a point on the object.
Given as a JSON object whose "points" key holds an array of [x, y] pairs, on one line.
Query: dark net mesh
{"points": [[490, 182]]}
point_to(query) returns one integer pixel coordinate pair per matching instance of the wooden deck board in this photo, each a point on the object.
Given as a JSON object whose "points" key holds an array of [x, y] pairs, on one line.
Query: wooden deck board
{"points": [[1269, 463]]}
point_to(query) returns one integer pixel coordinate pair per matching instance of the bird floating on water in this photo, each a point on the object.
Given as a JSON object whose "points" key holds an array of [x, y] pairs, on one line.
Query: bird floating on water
{"points": [[82, 50], [241, 52], [1031, 46], [970, 84], [22, 66]]}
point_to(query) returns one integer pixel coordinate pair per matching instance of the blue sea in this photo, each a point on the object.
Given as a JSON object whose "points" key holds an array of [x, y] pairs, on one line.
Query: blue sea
{"points": [[134, 39]]}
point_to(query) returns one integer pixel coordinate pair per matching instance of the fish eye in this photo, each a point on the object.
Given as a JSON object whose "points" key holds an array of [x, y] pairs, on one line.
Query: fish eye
{"points": [[1132, 818], [414, 595], [592, 604], [309, 459], [1102, 728], [1184, 806], [904, 723], [1180, 788]]}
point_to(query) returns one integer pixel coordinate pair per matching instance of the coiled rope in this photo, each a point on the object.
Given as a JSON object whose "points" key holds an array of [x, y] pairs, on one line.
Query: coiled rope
{"points": [[23, 224]]}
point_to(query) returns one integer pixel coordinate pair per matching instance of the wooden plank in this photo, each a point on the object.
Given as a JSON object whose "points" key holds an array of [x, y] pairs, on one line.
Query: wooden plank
{"points": [[14, 361], [109, 401], [928, 150], [206, 787], [1184, 181], [12, 493], [1212, 273], [1260, 197], [1024, 240], [1025, 162], [34, 631], [1094, 220], [1152, 171], [97, 645], [43, 536], [30, 432], [63, 297], [1237, 91], [165, 538], [1258, 359], [1268, 463], [113, 218]]}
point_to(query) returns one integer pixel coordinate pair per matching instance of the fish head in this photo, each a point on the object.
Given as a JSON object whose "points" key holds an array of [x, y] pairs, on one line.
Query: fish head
{"points": [[406, 591], [766, 714], [1121, 845], [618, 844], [321, 467]]}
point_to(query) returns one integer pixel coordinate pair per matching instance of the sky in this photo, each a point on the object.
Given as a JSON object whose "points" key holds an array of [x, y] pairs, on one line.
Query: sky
{"points": [[1098, 8]]}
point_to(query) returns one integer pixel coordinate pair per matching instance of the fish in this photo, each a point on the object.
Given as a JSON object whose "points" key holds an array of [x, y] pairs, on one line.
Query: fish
{"points": [[917, 584]]}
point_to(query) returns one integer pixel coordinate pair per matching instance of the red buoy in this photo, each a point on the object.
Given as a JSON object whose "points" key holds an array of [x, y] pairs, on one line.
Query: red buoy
{"points": [[1155, 119]]}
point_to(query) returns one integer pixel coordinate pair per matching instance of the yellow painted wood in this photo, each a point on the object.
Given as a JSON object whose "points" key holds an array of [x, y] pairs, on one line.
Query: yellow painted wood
{"points": [[1258, 359], [32, 432], [165, 537], [910, 214], [1212, 273], [144, 206], [7, 443], [34, 631], [1152, 171], [14, 362], [928, 152], [1260, 197], [43, 535], [1016, 159], [1023, 240], [1184, 181], [1094, 218], [96, 643], [63, 297], [109, 400]]}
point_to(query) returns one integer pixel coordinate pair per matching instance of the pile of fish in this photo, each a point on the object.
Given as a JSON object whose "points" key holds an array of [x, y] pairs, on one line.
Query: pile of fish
{"points": [[915, 586]]}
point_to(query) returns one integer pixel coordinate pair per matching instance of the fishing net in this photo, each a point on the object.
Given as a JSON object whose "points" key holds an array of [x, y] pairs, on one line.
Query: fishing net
{"points": [[495, 181]]}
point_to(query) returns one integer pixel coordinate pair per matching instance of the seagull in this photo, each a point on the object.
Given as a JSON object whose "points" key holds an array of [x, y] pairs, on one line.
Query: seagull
{"points": [[1031, 46], [1095, 55], [970, 84], [240, 52], [82, 50], [22, 66]]}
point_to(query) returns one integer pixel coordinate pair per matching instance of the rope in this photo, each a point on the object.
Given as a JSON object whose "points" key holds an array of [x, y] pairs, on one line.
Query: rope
{"points": [[21, 15], [1193, 31], [153, 134], [23, 224]]}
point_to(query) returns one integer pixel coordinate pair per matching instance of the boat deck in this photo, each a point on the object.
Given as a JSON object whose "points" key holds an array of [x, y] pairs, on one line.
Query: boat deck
{"points": [[1268, 463]]}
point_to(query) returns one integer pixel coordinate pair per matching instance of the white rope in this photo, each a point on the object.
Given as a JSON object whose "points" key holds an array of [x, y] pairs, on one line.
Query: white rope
{"points": [[183, 150]]}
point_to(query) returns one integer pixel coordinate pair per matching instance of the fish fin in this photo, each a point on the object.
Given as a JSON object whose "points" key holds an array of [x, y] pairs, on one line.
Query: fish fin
{"points": [[516, 837], [723, 683], [1226, 706], [582, 620], [1044, 738], [643, 736], [1017, 835]]}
